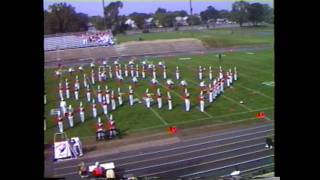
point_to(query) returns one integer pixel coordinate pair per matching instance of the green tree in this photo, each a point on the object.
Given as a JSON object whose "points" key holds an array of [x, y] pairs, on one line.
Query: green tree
{"points": [[139, 19], [62, 18], [111, 13], [240, 11], [194, 20], [257, 13], [160, 10], [97, 21], [209, 13], [225, 14]]}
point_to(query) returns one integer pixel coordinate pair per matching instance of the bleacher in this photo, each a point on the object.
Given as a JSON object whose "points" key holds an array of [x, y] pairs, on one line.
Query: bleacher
{"points": [[66, 42]]}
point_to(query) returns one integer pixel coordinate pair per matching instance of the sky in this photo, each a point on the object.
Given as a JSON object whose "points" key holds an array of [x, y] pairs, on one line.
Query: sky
{"points": [[94, 7]]}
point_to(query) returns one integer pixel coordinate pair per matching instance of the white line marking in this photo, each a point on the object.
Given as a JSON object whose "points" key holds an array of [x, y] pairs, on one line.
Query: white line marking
{"points": [[232, 165], [155, 113], [196, 157], [255, 91], [232, 100], [185, 167]]}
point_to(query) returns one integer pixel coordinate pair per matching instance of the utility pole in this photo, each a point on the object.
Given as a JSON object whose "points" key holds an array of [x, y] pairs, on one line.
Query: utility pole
{"points": [[190, 4]]}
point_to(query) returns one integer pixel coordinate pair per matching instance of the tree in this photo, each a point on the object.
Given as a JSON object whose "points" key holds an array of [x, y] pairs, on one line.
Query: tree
{"points": [[269, 17], [111, 13], [62, 18], [225, 14], [139, 19], [180, 13], [256, 13], [240, 11], [209, 13], [160, 10], [97, 21], [194, 20]]}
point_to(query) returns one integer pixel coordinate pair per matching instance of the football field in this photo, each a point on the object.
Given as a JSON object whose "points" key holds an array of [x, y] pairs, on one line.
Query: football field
{"points": [[255, 87]]}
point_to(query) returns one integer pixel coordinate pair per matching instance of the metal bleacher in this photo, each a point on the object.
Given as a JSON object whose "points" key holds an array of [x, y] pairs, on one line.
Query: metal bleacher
{"points": [[66, 42]]}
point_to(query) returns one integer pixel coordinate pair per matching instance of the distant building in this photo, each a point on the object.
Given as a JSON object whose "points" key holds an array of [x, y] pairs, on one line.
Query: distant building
{"points": [[131, 23], [149, 22], [182, 21]]}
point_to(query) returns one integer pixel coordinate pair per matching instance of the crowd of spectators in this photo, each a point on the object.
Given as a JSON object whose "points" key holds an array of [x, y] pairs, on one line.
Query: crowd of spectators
{"points": [[103, 38]]}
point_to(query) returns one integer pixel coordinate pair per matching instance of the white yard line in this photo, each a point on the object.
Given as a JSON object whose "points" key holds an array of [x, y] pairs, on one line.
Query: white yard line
{"points": [[185, 167], [155, 113], [232, 100], [255, 91]]}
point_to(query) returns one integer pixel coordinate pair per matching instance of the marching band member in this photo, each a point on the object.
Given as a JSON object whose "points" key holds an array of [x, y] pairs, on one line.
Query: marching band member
{"points": [[177, 73], [77, 84], [99, 130], [201, 98], [235, 73], [60, 91], [63, 106], [113, 100], [147, 98], [169, 101], [112, 127], [164, 72], [210, 93], [125, 70], [183, 83], [137, 70], [92, 65], [170, 83], [105, 106], [70, 116], [81, 109], [67, 89], [154, 72], [88, 94], [210, 73], [84, 80], [80, 69], [132, 70], [120, 97], [154, 83], [159, 99], [187, 102], [135, 80], [92, 77], [227, 78], [76, 93], [143, 72], [99, 94], [60, 123], [131, 92], [94, 108], [200, 73], [110, 72], [107, 94]]}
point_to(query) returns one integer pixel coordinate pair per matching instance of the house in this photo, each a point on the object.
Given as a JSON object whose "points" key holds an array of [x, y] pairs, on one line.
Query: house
{"points": [[131, 23], [149, 22], [182, 21]]}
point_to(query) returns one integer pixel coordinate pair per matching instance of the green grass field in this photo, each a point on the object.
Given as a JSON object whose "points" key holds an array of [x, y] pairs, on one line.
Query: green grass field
{"points": [[253, 70], [213, 38]]}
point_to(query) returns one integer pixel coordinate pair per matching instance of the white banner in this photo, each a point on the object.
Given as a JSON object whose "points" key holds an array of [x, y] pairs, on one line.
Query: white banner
{"points": [[62, 150]]}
